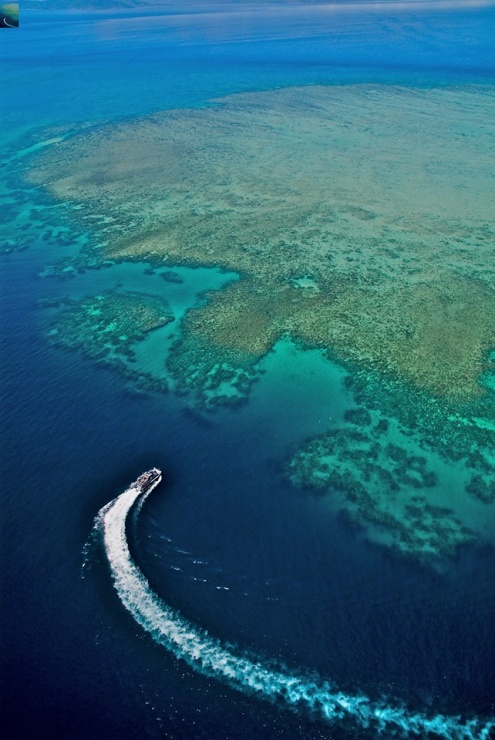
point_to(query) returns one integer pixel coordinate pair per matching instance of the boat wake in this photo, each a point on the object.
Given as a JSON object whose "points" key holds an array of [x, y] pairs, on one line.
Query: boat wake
{"points": [[209, 657]]}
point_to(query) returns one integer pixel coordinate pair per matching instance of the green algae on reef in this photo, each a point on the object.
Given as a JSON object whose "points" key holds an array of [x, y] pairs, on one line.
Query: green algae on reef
{"points": [[359, 219]]}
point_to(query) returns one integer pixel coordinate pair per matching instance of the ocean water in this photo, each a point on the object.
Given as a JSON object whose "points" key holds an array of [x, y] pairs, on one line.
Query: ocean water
{"points": [[226, 543]]}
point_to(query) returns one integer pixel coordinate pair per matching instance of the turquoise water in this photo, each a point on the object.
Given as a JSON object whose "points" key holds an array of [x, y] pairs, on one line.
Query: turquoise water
{"points": [[273, 573]]}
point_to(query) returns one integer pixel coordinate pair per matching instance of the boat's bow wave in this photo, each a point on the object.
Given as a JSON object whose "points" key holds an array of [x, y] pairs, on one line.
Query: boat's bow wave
{"points": [[208, 656]]}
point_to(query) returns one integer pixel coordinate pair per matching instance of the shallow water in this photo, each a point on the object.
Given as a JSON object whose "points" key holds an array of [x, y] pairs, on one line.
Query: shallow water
{"points": [[226, 540]]}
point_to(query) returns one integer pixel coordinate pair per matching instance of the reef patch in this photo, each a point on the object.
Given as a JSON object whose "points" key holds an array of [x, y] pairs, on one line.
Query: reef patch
{"points": [[106, 328], [402, 465]]}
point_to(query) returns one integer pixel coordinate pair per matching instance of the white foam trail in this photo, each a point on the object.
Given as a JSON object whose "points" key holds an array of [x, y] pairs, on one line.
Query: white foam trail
{"points": [[208, 656]]}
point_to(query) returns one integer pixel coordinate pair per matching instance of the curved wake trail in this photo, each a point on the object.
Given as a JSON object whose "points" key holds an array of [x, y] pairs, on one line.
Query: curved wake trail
{"points": [[208, 656]]}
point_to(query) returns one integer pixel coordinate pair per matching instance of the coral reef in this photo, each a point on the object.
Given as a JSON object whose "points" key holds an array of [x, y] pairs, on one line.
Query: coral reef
{"points": [[417, 475], [383, 261], [107, 327], [213, 360], [348, 252], [456, 433], [482, 488], [382, 486]]}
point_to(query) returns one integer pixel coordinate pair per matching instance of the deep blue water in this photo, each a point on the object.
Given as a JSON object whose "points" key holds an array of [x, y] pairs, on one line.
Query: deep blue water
{"points": [[226, 541]]}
